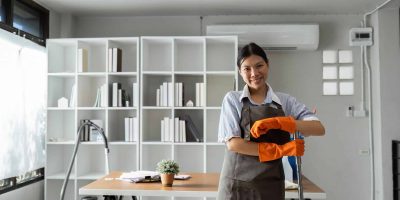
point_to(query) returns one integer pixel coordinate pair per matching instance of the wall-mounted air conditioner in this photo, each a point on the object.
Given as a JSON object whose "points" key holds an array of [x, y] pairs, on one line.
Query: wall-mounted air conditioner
{"points": [[272, 36]]}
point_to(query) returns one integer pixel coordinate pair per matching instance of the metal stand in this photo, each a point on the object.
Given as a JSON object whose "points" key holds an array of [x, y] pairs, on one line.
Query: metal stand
{"points": [[299, 176], [101, 131]]}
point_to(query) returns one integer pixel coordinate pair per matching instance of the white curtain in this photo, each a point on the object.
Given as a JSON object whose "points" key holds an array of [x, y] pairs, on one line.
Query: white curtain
{"points": [[23, 102]]}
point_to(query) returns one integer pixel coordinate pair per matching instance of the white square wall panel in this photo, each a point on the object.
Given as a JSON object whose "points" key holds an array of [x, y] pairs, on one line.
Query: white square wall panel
{"points": [[345, 56], [346, 88], [346, 72], [330, 88], [329, 56], [329, 72]]}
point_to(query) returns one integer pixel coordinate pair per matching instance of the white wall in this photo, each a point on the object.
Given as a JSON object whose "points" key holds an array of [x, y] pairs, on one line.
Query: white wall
{"points": [[385, 65], [332, 161], [33, 191]]}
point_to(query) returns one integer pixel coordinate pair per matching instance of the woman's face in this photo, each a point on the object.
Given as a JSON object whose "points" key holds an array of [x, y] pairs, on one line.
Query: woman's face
{"points": [[254, 71]]}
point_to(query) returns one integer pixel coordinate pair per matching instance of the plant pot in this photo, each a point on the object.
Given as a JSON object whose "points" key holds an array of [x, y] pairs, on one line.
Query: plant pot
{"points": [[167, 179]]}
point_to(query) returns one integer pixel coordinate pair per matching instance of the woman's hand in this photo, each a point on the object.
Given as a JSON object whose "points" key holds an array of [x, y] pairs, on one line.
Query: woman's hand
{"points": [[262, 126]]}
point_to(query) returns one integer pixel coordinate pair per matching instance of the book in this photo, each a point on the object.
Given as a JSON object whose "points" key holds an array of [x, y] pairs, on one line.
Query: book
{"points": [[73, 96], [117, 60], [110, 60], [191, 128], [82, 60], [115, 88], [135, 95]]}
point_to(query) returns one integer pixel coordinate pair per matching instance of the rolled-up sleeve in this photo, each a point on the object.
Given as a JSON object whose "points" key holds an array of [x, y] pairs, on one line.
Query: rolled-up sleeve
{"points": [[298, 110], [229, 118]]}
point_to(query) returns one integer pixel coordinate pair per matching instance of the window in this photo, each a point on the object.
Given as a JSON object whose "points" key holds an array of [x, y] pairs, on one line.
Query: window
{"points": [[23, 115], [25, 18]]}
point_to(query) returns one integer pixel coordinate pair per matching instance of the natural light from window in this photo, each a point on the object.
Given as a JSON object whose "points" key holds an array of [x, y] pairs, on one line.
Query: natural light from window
{"points": [[22, 105]]}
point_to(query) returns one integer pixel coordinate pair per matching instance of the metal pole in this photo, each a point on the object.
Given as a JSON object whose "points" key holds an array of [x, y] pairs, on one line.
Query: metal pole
{"points": [[299, 175]]}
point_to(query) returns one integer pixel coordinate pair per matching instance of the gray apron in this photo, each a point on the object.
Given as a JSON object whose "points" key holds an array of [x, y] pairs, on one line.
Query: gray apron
{"points": [[244, 176]]}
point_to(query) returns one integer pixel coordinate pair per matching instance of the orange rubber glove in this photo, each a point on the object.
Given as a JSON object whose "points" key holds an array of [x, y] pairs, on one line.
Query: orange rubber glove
{"points": [[272, 151], [262, 126]]}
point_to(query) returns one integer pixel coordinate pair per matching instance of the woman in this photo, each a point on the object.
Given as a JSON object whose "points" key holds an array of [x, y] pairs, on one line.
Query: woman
{"points": [[256, 124]]}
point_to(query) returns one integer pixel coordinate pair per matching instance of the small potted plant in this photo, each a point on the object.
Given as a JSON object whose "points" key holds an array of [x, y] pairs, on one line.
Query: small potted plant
{"points": [[167, 170]]}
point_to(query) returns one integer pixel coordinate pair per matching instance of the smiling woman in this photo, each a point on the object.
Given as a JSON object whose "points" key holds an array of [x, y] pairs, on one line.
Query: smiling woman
{"points": [[22, 105]]}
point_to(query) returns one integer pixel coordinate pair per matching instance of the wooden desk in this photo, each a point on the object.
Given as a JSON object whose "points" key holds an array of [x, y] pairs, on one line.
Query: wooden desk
{"points": [[200, 185]]}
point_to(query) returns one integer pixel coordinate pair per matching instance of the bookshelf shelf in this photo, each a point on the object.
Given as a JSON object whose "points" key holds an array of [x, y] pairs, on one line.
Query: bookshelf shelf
{"points": [[63, 74], [203, 65], [186, 60]]}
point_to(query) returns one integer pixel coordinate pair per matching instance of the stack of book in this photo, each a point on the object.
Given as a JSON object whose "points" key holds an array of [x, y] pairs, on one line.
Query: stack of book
{"points": [[166, 96], [179, 130], [131, 129], [114, 63], [120, 98]]}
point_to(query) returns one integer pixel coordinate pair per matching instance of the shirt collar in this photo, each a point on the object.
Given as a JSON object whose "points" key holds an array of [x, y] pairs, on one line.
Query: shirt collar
{"points": [[271, 96]]}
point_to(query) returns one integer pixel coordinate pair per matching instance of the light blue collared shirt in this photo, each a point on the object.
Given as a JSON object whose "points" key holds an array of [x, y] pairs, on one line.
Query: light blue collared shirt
{"points": [[229, 121]]}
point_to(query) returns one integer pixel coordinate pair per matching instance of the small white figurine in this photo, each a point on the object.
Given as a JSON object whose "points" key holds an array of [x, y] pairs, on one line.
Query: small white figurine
{"points": [[189, 103], [62, 102]]}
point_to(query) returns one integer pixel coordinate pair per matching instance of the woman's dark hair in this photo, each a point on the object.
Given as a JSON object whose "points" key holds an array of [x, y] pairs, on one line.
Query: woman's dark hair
{"points": [[248, 50]]}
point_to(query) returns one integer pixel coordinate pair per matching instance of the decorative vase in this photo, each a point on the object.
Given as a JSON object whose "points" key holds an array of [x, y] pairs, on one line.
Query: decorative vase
{"points": [[167, 179]]}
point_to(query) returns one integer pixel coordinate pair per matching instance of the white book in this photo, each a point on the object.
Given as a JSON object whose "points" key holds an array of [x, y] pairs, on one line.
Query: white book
{"points": [[180, 94], [131, 128], [158, 97], [184, 131], [162, 130], [119, 98], [82, 60], [166, 131], [135, 129], [181, 130], [176, 96], [97, 101], [161, 95], [110, 60], [116, 59], [135, 95], [116, 86], [73, 96], [176, 129], [170, 94], [171, 130], [127, 129], [197, 94], [202, 94], [164, 101], [102, 96]]}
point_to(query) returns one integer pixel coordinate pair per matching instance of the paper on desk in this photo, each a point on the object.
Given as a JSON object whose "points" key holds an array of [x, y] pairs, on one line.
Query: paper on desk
{"points": [[140, 176], [182, 177], [290, 185]]}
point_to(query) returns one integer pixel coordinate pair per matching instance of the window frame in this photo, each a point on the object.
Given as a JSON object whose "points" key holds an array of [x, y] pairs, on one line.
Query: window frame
{"points": [[43, 18]]}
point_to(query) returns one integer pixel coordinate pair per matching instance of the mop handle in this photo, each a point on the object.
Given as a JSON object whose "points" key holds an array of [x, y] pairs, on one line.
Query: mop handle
{"points": [[299, 176]]}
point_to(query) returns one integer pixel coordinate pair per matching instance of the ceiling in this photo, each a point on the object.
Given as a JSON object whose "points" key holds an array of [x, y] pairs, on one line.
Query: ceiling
{"points": [[209, 7]]}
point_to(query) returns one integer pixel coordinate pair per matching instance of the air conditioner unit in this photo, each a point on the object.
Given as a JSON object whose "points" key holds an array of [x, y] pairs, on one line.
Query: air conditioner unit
{"points": [[272, 36]]}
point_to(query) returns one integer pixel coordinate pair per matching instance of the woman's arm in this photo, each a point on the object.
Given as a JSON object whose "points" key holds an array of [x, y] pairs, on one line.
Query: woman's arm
{"points": [[310, 128], [242, 146]]}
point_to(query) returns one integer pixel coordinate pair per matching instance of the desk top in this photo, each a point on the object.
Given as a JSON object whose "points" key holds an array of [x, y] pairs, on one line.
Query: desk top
{"points": [[200, 185]]}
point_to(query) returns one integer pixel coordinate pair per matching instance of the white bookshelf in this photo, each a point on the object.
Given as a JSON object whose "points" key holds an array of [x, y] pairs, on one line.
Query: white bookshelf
{"points": [[189, 60], [148, 61], [63, 122]]}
